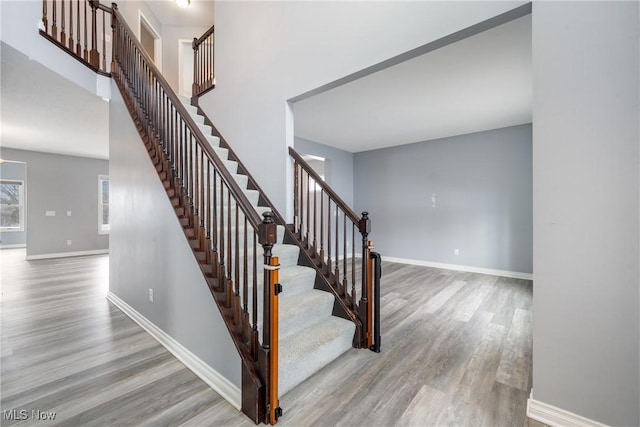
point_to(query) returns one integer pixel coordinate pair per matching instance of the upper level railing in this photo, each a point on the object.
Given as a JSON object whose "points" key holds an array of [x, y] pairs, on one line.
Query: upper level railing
{"points": [[80, 28], [335, 237], [203, 61]]}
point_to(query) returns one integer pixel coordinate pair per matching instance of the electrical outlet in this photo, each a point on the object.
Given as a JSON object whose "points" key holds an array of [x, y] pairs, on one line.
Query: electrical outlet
{"points": [[68, 213], [69, 242], [150, 295], [456, 251]]}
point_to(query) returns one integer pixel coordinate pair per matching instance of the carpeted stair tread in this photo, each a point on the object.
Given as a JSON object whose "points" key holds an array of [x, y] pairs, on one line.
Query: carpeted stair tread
{"points": [[300, 311], [303, 310], [307, 351], [295, 279]]}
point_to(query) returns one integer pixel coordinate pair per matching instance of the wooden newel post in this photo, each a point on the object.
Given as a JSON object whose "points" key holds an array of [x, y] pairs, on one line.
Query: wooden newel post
{"points": [[267, 233], [363, 308], [94, 55], [195, 88]]}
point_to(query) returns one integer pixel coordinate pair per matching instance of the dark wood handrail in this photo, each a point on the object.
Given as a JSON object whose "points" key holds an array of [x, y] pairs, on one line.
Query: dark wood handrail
{"points": [[203, 63], [326, 228], [327, 189], [197, 42], [237, 192], [104, 7]]}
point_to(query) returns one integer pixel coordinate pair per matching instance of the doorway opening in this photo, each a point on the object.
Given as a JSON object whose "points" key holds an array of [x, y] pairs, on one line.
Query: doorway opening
{"points": [[150, 40], [185, 67]]}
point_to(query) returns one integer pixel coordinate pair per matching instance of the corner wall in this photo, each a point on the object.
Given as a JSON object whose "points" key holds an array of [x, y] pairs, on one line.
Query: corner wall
{"points": [[149, 251], [586, 211]]}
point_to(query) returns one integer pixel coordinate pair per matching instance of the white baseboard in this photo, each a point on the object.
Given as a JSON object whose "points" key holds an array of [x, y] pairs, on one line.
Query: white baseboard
{"points": [[230, 392], [68, 254], [21, 245], [469, 269], [556, 417]]}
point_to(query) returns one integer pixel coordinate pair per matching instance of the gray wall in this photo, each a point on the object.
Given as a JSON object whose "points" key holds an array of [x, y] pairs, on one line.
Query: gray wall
{"points": [[14, 171], [482, 187], [338, 166], [586, 214], [61, 183], [302, 55], [149, 250]]}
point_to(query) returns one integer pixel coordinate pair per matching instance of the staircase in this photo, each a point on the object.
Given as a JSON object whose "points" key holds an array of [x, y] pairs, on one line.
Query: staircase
{"points": [[310, 336], [286, 292]]}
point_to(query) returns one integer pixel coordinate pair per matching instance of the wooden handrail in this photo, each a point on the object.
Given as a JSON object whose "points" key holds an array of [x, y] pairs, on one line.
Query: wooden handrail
{"points": [[328, 242], [241, 198], [327, 189], [203, 37], [203, 63]]}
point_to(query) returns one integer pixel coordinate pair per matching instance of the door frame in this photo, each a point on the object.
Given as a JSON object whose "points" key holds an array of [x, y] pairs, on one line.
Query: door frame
{"points": [[157, 38]]}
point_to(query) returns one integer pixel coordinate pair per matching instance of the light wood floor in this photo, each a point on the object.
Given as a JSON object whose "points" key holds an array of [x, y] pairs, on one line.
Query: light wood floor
{"points": [[456, 351]]}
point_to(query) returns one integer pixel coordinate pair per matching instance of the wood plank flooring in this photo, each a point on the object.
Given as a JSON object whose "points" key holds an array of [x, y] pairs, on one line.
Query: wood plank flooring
{"points": [[456, 351]]}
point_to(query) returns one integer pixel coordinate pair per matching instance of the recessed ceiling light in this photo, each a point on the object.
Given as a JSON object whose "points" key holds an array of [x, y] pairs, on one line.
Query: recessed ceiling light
{"points": [[183, 3]]}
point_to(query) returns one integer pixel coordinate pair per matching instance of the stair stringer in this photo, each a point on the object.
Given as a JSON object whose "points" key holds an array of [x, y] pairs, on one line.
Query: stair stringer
{"points": [[253, 389]]}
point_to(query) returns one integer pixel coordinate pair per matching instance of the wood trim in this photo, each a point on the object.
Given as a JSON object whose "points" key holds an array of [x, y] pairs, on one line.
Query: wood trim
{"points": [[470, 269], [557, 417], [225, 388], [68, 254]]}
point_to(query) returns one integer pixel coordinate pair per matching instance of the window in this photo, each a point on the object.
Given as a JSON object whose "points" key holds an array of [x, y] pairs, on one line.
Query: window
{"points": [[103, 204], [11, 205]]}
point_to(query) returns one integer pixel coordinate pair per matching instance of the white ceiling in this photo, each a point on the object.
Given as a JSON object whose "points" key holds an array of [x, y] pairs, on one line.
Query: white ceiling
{"points": [[479, 83], [43, 111], [198, 14]]}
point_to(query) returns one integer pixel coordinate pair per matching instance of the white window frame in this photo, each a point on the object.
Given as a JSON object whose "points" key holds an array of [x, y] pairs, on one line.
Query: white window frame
{"points": [[20, 205], [103, 229]]}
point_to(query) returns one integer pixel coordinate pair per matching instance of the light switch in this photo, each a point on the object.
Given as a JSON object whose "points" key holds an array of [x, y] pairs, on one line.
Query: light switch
{"points": [[68, 213], [50, 213]]}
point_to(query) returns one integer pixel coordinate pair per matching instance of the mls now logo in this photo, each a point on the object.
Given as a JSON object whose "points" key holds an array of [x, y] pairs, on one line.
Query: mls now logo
{"points": [[23, 414]]}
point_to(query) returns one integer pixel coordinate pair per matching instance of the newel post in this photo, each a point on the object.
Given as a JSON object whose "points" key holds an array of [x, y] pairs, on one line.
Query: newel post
{"points": [[267, 233], [94, 55], [195, 86], [365, 229]]}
